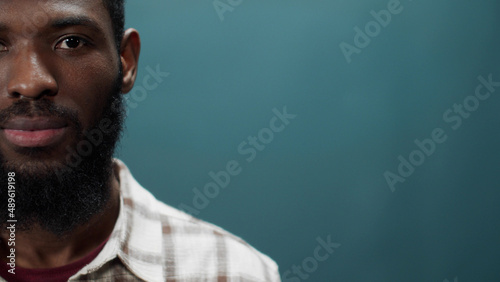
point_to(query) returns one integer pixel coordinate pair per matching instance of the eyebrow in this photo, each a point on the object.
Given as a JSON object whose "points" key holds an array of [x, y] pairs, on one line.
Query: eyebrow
{"points": [[65, 22], [74, 21]]}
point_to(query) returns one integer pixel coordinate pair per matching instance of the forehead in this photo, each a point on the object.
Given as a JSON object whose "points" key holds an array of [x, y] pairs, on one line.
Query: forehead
{"points": [[30, 15]]}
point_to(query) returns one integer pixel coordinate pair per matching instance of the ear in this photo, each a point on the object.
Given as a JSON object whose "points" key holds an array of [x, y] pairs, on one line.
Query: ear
{"points": [[129, 55]]}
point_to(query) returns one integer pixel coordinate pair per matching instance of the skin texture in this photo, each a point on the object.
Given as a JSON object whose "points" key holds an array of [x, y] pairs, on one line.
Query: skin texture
{"points": [[74, 65]]}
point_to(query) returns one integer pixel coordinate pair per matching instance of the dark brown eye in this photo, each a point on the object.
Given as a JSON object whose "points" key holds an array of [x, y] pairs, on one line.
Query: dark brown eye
{"points": [[70, 43]]}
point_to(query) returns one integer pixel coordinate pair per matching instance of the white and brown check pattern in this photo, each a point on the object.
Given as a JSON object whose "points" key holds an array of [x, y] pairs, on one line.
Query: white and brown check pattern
{"points": [[155, 242]]}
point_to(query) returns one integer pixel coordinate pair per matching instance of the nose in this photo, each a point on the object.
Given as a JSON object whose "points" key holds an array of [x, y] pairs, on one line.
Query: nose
{"points": [[30, 77]]}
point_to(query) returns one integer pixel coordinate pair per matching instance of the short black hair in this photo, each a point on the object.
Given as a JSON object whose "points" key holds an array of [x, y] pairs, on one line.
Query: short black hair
{"points": [[116, 10]]}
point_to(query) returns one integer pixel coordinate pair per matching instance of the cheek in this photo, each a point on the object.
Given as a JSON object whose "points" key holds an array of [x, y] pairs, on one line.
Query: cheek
{"points": [[3, 88], [87, 89]]}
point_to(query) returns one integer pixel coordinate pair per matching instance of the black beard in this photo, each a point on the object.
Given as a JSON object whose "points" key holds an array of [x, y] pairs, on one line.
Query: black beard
{"points": [[58, 197]]}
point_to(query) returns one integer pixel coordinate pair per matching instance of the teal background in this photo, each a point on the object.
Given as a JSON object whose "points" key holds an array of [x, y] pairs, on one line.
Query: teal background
{"points": [[324, 174]]}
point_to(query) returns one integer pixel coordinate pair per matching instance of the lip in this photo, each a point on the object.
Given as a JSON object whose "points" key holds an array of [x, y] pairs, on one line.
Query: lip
{"points": [[34, 132]]}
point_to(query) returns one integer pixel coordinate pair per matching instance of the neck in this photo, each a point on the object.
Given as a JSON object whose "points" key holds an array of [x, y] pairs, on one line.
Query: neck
{"points": [[38, 248]]}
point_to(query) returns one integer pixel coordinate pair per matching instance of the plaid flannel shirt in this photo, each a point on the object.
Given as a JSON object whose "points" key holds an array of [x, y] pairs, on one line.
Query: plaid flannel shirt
{"points": [[155, 242]]}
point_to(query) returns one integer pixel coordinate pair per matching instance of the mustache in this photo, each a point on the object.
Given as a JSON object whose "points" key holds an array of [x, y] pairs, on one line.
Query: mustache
{"points": [[39, 108]]}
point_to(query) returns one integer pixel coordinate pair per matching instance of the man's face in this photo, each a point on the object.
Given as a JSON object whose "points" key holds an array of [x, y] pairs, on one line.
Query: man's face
{"points": [[55, 50], [60, 79]]}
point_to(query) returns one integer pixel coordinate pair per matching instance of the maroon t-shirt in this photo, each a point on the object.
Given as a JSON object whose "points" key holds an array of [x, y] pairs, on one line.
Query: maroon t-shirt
{"points": [[58, 274]]}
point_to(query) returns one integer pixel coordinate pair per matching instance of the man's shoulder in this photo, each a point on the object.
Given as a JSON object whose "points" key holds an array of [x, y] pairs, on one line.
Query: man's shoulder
{"points": [[191, 246], [210, 244]]}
